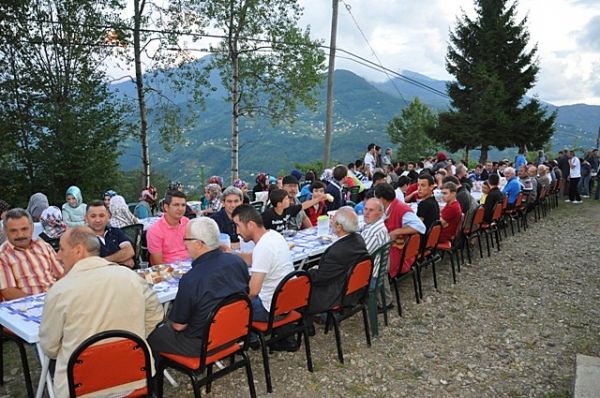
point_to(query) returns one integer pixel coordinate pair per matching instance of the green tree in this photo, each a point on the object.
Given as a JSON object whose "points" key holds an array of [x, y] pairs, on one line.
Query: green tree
{"points": [[59, 123], [494, 69], [268, 64], [410, 131]]}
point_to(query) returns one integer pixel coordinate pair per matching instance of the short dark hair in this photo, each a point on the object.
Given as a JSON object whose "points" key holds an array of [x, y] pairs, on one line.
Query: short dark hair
{"points": [[340, 172], [351, 165], [371, 146], [95, 203], [173, 194], [17, 213], [451, 179], [247, 213], [378, 175], [385, 191], [428, 177], [277, 196], [494, 179], [403, 180], [317, 185], [358, 163], [450, 186]]}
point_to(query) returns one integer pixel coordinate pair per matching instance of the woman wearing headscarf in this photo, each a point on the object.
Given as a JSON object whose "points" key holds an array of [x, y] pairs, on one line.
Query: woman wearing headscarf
{"points": [[4, 207], [145, 208], [243, 186], [216, 180], [120, 216], [212, 199], [38, 202], [53, 224], [262, 184], [74, 209]]}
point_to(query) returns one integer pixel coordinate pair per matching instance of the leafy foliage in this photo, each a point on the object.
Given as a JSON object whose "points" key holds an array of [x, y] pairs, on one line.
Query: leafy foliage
{"points": [[410, 131]]}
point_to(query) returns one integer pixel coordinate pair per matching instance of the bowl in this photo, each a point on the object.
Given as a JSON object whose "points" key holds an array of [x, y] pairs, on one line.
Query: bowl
{"points": [[178, 273]]}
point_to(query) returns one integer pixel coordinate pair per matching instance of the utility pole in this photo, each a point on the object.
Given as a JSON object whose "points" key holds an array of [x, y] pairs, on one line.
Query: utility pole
{"points": [[329, 116], [598, 139]]}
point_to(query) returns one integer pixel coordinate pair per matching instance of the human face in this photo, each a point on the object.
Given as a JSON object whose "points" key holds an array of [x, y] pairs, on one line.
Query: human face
{"points": [[522, 172], [193, 246], [243, 230], [19, 232], [425, 190], [97, 218], [448, 196], [230, 203], [72, 201], [106, 201], [372, 211], [291, 189], [411, 167], [176, 209], [489, 166], [67, 254], [318, 191], [485, 189]]}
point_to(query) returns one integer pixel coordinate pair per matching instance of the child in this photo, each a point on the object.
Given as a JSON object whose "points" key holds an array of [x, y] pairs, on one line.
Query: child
{"points": [[319, 209], [278, 216], [74, 210]]}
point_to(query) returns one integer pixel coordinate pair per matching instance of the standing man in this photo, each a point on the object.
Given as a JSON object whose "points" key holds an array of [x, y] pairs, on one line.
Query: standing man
{"points": [[521, 160], [114, 244], [271, 261], [232, 198], [563, 165], [214, 276], [428, 209], [574, 176], [387, 157], [400, 222], [301, 220], [27, 267], [165, 237], [95, 295], [370, 161]]}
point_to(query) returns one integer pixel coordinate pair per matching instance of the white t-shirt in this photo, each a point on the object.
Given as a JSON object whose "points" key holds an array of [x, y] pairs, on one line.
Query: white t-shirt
{"points": [[575, 165], [399, 195], [271, 256], [370, 162]]}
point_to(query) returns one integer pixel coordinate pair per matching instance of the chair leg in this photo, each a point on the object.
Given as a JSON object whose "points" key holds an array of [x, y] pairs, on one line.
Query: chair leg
{"points": [[419, 282], [468, 247], [415, 284], [487, 243], [480, 246], [366, 322], [452, 265], [209, 372], [160, 378], [25, 365], [249, 374], [309, 363], [372, 303], [393, 282], [338, 339], [435, 284], [385, 304], [265, 355]]}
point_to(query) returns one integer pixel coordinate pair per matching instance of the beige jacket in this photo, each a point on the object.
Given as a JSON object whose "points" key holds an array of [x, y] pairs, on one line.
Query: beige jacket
{"points": [[96, 295]]}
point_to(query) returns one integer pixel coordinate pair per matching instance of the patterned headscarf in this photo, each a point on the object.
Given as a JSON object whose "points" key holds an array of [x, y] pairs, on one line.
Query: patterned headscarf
{"points": [[240, 184], [4, 206], [327, 175], [216, 180], [52, 222], [38, 202], [175, 186]]}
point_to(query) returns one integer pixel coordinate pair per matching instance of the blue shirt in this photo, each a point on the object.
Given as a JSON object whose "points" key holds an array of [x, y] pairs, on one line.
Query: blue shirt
{"points": [[214, 276], [520, 161], [113, 238], [226, 224], [512, 190]]}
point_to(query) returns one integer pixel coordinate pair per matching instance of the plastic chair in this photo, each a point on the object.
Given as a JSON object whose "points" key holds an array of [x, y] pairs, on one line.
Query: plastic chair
{"points": [[97, 364], [474, 231], [452, 248], [291, 297], [492, 228], [380, 256], [354, 297], [258, 205], [429, 254], [412, 245], [227, 334], [7, 335], [134, 233]]}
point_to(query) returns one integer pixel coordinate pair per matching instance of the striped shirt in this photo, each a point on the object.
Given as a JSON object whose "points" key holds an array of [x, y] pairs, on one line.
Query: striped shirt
{"points": [[33, 270], [375, 235]]}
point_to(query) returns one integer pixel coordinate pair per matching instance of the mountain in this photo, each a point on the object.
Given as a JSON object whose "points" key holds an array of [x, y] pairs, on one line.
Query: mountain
{"points": [[362, 110]]}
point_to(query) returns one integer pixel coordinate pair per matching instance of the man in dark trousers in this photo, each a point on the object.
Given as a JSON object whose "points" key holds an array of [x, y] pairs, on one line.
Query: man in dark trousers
{"points": [[329, 277]]}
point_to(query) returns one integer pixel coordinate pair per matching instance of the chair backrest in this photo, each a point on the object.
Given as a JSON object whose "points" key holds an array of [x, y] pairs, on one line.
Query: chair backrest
{"points": [[134, 233], [97, 364], [497, 214], [380, 259], [292, 294], [358, 281], [411, 247], [542, 194], [228, 329], [354, 193], [55, 243], [478, 218], [504, 202], [432, 236], [519, 200], [258, 205]]}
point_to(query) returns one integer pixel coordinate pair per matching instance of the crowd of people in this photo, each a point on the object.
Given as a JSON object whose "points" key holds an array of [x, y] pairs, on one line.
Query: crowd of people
{"points": [[82, 274]]}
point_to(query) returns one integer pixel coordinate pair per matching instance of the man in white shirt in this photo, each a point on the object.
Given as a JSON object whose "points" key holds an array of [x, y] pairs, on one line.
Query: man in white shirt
{"points": [[370, 161], [270, 261], [574, 176]]}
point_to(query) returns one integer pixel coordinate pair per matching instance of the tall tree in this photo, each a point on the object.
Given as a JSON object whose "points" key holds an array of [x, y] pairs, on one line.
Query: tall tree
{"points": [[268, 64], [494, 69], [410, 131], [59, 122]]}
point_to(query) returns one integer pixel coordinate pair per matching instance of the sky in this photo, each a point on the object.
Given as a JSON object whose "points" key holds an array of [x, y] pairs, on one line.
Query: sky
{"points": [[413, 35]]}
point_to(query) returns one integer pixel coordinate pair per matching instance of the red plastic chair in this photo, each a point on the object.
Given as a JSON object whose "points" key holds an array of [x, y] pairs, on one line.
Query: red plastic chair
{"points": [[97, 365], [411, 249], [474, 231], [291, 297], [429, 254], [227, 334], [493, 227], [354, 300]]}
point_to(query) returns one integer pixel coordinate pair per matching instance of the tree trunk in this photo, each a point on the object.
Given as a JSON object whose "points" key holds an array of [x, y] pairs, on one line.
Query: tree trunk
{"points": [[466, 157], [139, 84], [484, 154]]}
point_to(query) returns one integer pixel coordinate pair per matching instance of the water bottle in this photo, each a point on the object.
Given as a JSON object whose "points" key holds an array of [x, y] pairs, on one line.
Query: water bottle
{"points": [[323, 225]]}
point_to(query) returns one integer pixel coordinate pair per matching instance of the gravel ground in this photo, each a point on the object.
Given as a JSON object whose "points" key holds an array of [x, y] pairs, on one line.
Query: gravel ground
{"points": [[510, 327]]}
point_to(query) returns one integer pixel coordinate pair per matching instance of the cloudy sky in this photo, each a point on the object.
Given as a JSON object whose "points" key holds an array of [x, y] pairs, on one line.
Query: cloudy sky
{"points": [[413, 35]]}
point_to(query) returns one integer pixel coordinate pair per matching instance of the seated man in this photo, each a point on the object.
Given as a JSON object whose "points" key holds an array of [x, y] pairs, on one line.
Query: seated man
{"points": [[493, 197], [271, 261], [451, 214], [165, 237], [114, 244], [300, 220], [279, 216], [375, 235], [214, 276], [93, 296], [27, 267], [400, 222], [329, 277], [428, 209], [512, 189], [232, 198]]}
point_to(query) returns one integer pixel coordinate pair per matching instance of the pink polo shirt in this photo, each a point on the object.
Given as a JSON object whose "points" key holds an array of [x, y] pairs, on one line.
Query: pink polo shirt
{"points": [[168, 240]]}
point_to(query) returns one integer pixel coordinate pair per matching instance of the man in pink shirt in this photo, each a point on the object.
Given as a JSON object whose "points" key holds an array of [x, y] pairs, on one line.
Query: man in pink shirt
{"points": [[165, 237]]}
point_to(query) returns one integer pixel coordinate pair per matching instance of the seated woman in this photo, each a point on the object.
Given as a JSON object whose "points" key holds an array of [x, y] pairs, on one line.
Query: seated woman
{"points": [[74, 209], [120, 216]]}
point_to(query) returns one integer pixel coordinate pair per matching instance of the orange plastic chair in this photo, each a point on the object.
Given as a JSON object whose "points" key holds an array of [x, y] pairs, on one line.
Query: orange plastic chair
{"points": [[411, 249], [493, 228], [227, 334], [291, 297], [97, 365], [354, 300], [429, 254], [474, 231]]}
